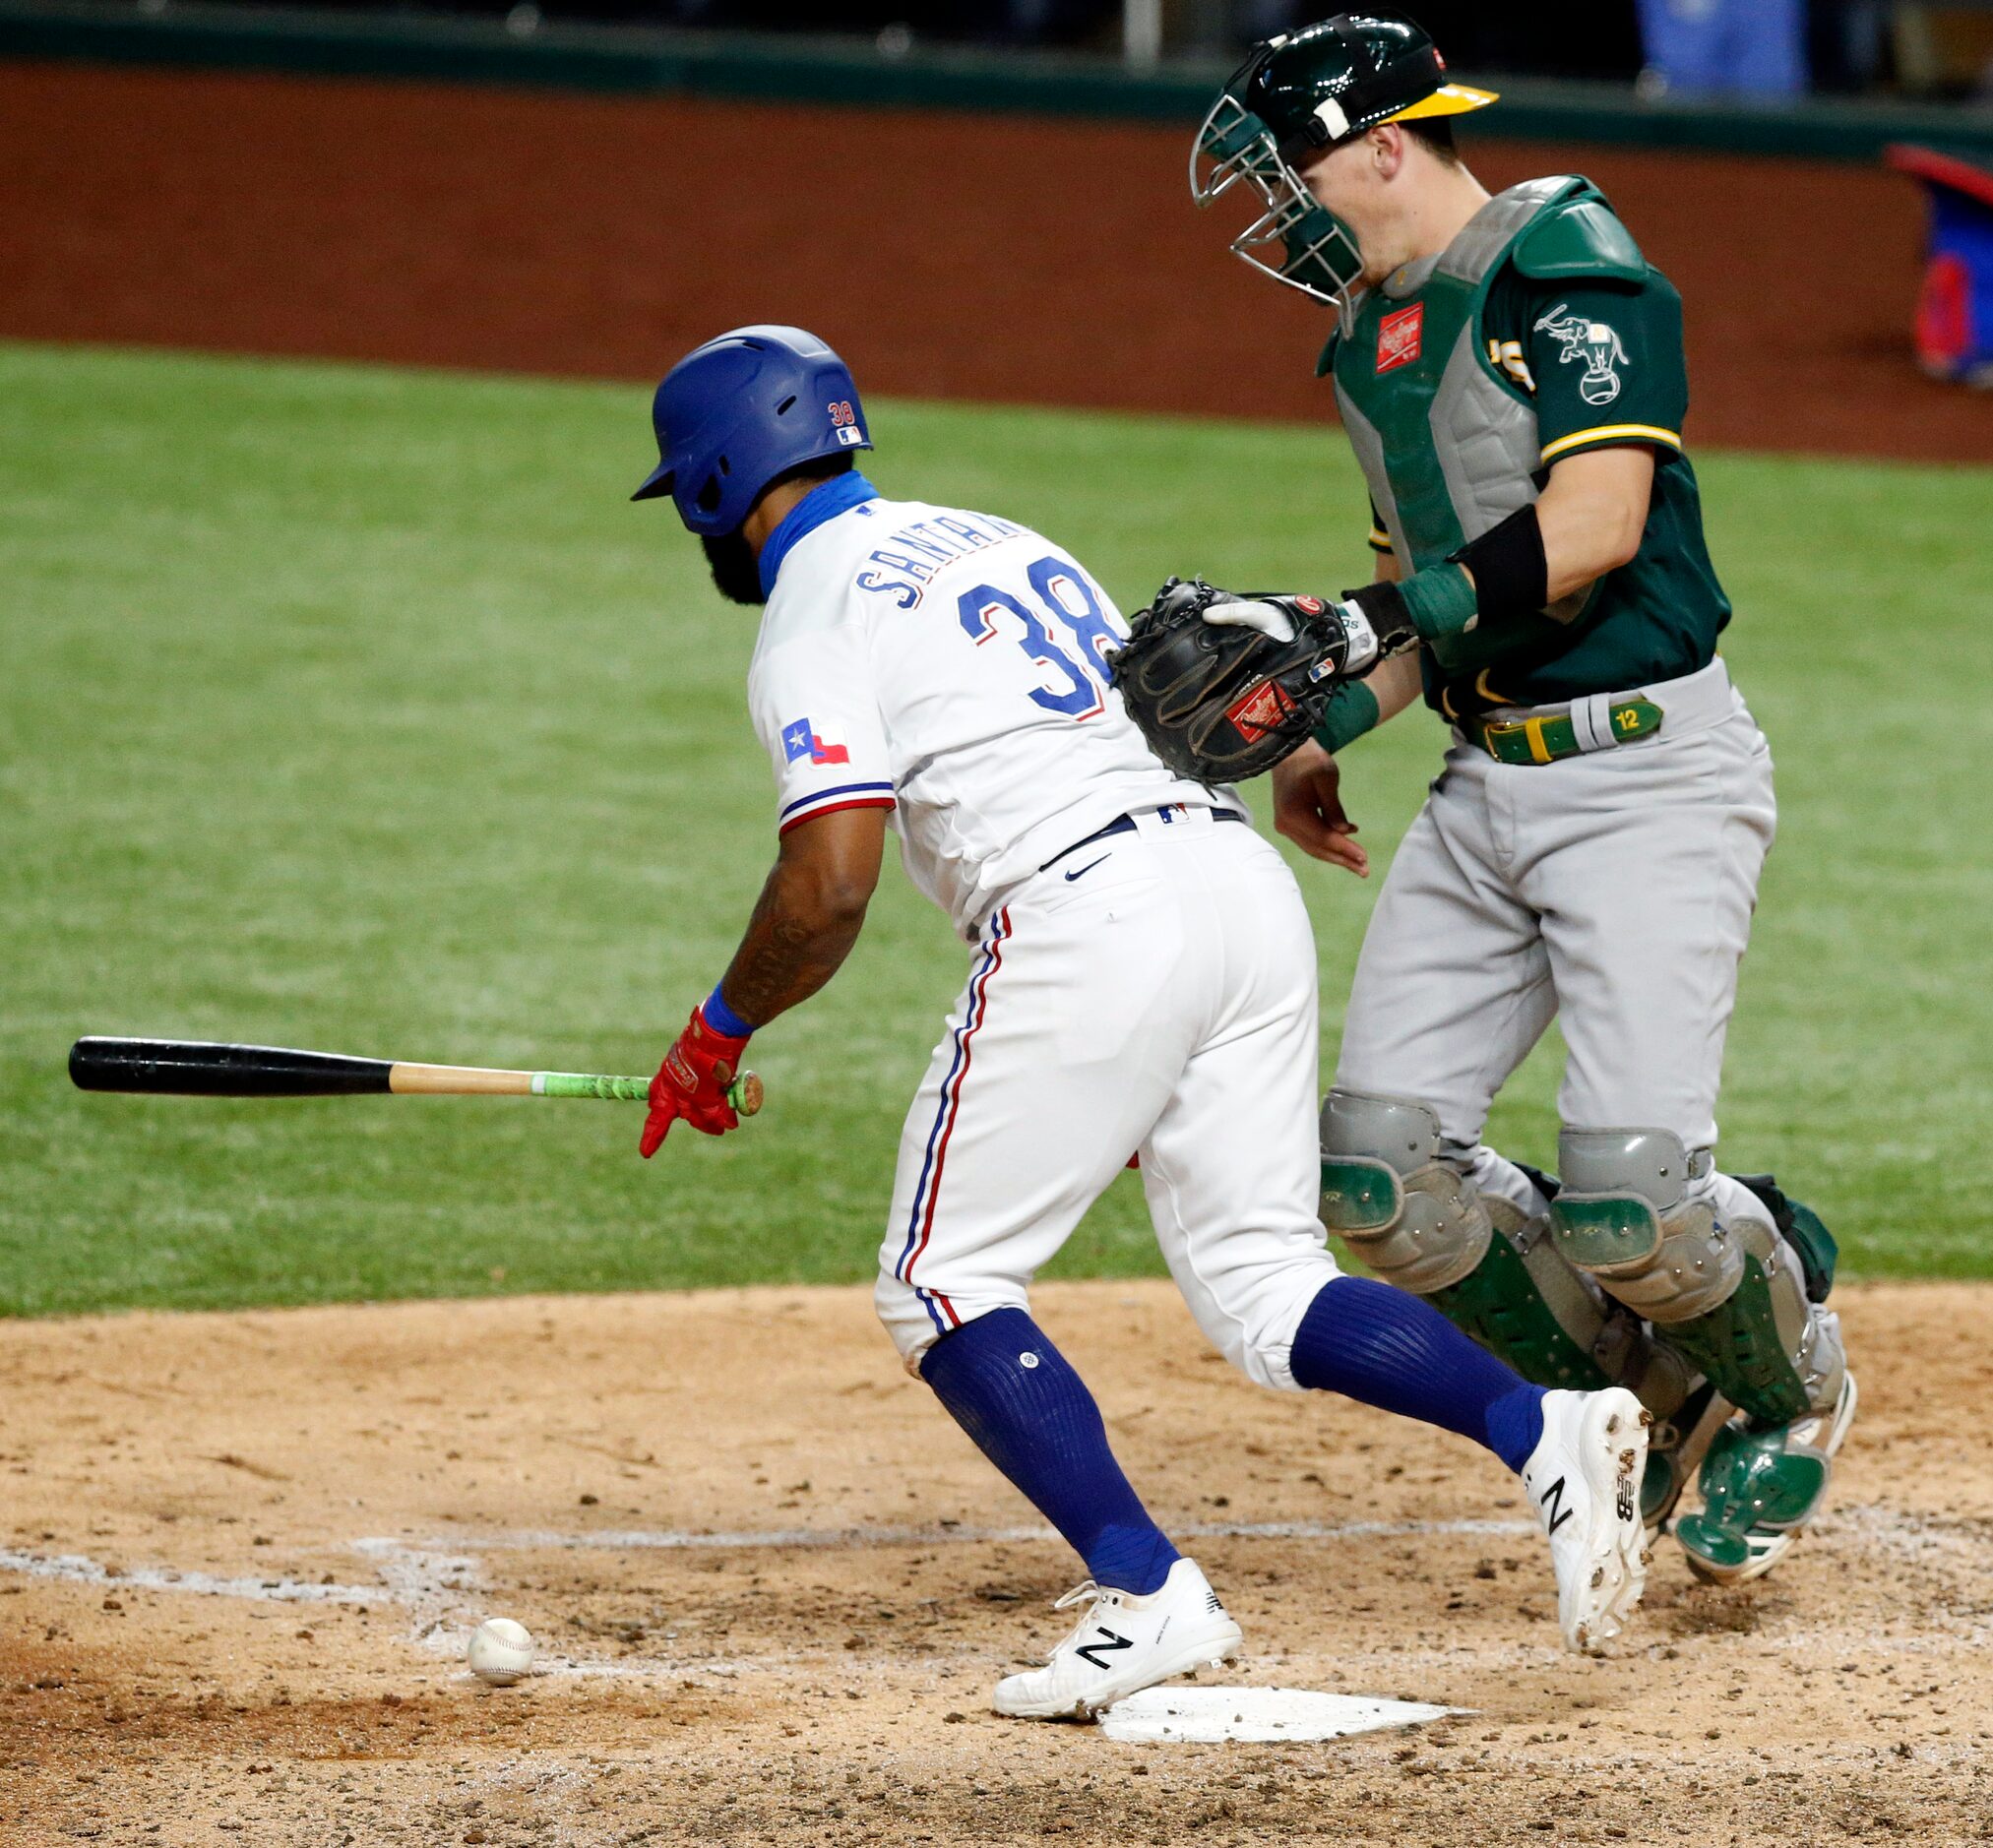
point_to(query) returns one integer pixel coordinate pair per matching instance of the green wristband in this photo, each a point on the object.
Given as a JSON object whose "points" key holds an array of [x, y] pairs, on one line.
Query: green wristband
{"points": [[1441, 601], [1352, 710]]}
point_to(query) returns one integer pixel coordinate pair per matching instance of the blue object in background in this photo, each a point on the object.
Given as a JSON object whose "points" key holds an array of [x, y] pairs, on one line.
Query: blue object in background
{"points": [[1955, 307], [1727, 47]]}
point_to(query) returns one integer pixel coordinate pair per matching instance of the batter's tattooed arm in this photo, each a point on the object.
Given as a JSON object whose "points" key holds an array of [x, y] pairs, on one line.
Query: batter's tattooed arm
{"points": [[808, 916]]}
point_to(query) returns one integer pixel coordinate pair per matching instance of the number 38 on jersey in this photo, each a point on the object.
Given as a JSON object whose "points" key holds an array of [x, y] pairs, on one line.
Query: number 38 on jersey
{"points": [[1058, 622]]}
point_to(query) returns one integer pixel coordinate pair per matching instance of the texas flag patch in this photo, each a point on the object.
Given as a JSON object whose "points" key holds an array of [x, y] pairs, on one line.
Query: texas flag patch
{"points": [[803, 740], [1400, 338]]}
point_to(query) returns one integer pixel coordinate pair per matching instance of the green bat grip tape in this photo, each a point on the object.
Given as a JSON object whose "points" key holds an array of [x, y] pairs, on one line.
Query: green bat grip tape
{"points": [[629, 1090], [626, 1091]]}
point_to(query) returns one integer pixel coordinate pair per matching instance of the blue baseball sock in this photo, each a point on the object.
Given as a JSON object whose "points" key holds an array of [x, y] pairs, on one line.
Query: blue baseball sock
{"points": [[1030, 1414], [1384, 1347]]}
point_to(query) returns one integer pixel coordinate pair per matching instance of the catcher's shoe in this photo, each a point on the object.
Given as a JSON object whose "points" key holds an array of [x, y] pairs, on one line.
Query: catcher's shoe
{"points": [[1124, 1643], [1675, 1447], [1583, 1479], [1761, 1487]]}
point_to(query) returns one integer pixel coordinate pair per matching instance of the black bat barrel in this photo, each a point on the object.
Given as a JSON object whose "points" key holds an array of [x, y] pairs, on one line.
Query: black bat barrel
{"points": [[193, 1068]]}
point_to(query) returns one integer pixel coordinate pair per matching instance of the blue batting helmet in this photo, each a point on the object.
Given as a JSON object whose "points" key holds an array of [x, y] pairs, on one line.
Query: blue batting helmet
{"points": [[736, 412]]}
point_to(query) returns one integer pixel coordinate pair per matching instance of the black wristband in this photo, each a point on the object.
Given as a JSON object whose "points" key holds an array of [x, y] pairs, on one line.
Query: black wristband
{"points": [[1511, 576], [1384, 604]]}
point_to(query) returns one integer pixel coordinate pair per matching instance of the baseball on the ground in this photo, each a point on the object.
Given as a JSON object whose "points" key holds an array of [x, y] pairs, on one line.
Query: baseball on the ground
{"points": [[501, 1651]]}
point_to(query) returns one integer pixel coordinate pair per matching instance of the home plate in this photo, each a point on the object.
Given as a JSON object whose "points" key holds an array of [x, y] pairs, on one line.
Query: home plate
{"points": [[1203, 1715]]}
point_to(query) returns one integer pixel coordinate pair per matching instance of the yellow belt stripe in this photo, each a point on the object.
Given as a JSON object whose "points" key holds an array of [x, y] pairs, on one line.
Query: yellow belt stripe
{"points": [[1378, 536], [1635, 432]]}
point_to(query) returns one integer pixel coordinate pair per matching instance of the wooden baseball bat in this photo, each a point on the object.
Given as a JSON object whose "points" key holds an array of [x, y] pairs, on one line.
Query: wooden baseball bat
{"points": [[194, 1068]]}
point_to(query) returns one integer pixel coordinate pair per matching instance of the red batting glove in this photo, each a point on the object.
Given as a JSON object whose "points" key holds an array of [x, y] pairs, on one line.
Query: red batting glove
{"points": [[692, 1084]]}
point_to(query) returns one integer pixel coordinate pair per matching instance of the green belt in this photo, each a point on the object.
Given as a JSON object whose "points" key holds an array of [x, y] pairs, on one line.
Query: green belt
{"points": [[1552, 736]]}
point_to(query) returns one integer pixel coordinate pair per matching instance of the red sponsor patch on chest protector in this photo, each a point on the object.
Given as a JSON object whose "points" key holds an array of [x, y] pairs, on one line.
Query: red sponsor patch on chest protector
{"points": [[1398, 338], [1260, 710]]}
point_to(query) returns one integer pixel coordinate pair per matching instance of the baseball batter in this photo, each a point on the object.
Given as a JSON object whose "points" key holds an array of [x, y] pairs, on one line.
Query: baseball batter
{"points": [[1141, 979], [1509, 374]]}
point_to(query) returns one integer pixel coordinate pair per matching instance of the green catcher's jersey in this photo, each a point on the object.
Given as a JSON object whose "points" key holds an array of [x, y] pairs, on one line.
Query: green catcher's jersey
{"points": [[1539, 333]]}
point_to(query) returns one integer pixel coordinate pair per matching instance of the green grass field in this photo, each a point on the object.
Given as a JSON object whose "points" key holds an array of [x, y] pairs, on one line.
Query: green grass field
{"points": [[359, 710]]}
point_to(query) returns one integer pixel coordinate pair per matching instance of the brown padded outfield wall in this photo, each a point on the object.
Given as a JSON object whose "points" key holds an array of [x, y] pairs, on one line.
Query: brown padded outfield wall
{"points": [[955, 256]]}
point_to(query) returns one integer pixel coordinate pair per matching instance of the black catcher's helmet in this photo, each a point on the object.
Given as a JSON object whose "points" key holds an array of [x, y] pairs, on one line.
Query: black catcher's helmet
{"points": [[1318, 88]]}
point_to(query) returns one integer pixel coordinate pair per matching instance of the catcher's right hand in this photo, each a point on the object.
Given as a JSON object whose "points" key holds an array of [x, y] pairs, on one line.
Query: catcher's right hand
{"points": [[1225, 685]]}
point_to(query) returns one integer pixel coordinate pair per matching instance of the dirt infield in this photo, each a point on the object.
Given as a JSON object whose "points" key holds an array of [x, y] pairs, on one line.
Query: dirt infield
{"points": [[952, 255], [773, 1585]]}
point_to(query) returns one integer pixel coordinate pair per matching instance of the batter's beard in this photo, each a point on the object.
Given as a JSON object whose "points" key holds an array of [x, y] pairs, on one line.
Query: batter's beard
{"points": [[736, 574]]}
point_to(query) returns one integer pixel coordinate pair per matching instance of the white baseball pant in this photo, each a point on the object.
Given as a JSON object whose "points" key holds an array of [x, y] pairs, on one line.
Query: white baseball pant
{"points": [[1153, 992]]}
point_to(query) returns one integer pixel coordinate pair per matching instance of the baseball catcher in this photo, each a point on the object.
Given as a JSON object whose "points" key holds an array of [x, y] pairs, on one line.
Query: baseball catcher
{"points": [[1509, 373]]}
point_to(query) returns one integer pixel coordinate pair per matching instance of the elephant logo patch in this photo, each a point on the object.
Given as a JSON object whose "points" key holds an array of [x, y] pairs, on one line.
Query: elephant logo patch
{"points": [[1596, 343]]}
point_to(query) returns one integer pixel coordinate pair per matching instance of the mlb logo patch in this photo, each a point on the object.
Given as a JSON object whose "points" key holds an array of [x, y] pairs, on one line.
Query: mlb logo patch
{"points": [[804, 740], [1260, 709], [1398, 338]]}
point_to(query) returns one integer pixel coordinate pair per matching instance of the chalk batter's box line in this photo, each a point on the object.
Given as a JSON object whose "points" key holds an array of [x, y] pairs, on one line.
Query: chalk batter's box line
{"points": [[1889, 1529]]}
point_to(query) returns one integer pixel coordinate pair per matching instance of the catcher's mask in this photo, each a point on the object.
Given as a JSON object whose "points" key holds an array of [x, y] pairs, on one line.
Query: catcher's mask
{"points": [[1303, 92]]}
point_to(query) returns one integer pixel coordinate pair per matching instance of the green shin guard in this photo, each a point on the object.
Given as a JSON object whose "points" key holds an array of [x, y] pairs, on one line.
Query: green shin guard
{"points": [[1413, 1214], [1735, 1297], [1737, 1348], [1762, 1480], [1499, 1306]]}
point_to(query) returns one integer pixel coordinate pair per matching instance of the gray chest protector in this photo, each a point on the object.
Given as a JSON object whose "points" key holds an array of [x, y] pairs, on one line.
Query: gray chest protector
{"points": [[1444, 432]]}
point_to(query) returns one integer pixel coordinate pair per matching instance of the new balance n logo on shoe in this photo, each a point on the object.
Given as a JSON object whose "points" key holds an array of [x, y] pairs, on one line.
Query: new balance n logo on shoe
{"points": [[1553, 1502], [1622, 1503], [1108, 1643]]}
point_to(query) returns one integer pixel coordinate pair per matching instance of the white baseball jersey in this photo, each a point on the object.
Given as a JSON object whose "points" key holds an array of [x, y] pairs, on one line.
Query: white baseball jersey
{"points": [[950, 666], [1154, 993]]}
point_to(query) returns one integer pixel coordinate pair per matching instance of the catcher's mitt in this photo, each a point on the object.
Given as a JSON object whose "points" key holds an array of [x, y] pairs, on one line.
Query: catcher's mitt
{"points": [[1225, 684]]}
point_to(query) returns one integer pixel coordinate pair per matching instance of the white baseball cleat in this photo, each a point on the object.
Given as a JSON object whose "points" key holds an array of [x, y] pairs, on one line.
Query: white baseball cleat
{"points": [[1122, 1644], [1583, 1479]]}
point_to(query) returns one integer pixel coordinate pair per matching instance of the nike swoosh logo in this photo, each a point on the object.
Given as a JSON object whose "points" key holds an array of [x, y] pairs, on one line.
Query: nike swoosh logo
{"points": [[1084, 869]]}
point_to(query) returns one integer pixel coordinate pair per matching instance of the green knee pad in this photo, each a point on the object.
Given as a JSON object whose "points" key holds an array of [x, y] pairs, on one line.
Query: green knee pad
{"points": [[1359, 1197]]}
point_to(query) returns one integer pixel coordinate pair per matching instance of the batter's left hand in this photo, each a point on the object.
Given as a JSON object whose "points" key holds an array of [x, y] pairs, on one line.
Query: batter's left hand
{"points": [[692, 1085]]}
